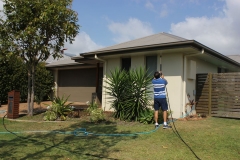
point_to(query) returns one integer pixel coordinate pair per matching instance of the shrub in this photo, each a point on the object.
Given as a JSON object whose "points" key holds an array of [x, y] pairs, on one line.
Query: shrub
{"points": [[43, 83], [58, 109], [130, 92], [13, 75], [147, 117], [96, 114]]}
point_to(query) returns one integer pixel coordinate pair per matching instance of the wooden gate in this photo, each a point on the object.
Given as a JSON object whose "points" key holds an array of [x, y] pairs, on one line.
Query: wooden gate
{"points": [[218, 94]]}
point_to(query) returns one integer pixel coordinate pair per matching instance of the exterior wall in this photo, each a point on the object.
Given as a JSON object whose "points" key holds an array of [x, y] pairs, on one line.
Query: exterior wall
{"points": [[137, 62], [174, 77], [110, 66], [172, 68], [179, 83], [201, 67]]}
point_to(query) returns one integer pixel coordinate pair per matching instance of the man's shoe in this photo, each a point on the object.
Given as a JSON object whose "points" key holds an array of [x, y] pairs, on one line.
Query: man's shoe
{"points": [[166, 126], [156, 126]]}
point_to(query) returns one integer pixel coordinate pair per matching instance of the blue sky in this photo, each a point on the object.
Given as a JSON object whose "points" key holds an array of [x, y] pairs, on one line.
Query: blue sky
{"points": [[214, 23]]}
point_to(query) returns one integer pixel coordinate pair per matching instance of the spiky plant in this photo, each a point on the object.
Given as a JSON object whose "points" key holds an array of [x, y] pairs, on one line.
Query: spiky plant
{"points": [[116, 88], [130, 92]]}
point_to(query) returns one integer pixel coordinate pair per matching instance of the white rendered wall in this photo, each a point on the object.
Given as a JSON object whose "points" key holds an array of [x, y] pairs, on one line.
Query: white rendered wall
{"points": [[172, 68], [137, 61], [201, 67], [111, 64]]}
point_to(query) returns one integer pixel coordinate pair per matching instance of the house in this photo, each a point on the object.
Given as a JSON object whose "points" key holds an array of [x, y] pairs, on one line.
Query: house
{"points": [[179, 59]]}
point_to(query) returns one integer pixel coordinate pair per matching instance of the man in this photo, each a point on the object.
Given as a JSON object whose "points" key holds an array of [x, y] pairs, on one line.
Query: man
{"points": [[159, 85]]}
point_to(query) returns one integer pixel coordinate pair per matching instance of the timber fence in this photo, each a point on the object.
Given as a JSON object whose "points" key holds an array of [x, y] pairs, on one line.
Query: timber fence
{"points": [[218, 94]]}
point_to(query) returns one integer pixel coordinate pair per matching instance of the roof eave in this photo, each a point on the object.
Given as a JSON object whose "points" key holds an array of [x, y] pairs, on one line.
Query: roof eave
{"points": [[179, 44], [138, 48]]}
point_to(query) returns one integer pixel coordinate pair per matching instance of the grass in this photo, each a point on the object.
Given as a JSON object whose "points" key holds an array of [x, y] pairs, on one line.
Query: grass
{"points": [[210, 138]]}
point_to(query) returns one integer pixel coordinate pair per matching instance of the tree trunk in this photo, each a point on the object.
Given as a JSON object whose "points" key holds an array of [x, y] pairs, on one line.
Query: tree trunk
{"points": [[32, 91], [29, 92]]}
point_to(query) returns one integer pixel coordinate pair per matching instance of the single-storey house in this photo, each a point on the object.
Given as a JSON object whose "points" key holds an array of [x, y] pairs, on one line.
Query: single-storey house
{"points": [[179, 59]]}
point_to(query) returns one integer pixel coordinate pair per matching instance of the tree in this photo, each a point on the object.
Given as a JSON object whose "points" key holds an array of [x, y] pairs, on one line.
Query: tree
{"points": [[13, 76], [34, 30]]}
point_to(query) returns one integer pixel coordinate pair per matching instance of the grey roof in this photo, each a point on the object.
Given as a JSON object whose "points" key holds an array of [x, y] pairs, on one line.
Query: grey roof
{"points": [[52, 60], [63, 62], [235, 57], [145, 41], [153, 42], [155, 39]]}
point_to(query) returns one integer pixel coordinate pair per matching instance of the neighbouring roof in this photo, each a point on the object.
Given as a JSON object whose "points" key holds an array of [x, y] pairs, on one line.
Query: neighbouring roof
{"points": [[63, 62], [52, 60], [235, 57]]}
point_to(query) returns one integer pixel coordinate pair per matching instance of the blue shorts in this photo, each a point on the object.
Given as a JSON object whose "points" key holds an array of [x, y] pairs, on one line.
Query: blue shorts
{"points": [[160, 103]]}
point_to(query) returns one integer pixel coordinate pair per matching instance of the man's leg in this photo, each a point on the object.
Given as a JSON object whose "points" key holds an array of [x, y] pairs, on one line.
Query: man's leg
{"points": [[164, 109], [156, 108], [156, 116], [165, 117]]}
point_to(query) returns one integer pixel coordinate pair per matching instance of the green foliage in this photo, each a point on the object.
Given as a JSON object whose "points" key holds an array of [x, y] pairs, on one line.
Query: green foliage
{"points": [[147, 117], [130, 92], [43, 84], [117, 85], [50, 116], [96, 113], [13, 75], [34, 30], [91, 107], [58, 109]]}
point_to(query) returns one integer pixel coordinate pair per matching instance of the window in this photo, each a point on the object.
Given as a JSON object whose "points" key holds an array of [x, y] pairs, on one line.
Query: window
{"points": [[151, 64], [222, 70], [126, 64]]}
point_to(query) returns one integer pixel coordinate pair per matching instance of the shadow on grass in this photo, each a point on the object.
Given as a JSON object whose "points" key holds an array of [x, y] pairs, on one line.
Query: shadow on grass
{"points": [[62, 146]]}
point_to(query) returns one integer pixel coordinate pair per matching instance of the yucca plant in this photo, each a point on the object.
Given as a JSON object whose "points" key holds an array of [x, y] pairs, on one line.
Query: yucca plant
{"points": [[60, 108], [139, 93], [116, 88], [130, 92]]}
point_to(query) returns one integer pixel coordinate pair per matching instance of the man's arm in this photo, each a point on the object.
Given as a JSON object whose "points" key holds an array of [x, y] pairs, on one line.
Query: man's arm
{"points": [[164, 79]]}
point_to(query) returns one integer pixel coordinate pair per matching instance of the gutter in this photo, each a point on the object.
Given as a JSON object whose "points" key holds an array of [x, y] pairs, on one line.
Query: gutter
{"points": [[105, 64], [104, 78], [185, 76]]}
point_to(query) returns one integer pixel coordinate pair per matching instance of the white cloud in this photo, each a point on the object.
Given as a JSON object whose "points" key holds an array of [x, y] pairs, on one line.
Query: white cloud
{"points": [[162, 11], [83, 43], [130, 30], [149, 5], [220, 33]]}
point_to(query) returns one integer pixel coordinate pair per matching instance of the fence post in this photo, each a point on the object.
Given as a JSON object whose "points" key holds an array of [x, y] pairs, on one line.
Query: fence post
{"points": [[210, 94]]}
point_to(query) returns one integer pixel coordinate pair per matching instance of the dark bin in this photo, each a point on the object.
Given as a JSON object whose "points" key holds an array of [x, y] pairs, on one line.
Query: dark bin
{"points": [[13, 104]]}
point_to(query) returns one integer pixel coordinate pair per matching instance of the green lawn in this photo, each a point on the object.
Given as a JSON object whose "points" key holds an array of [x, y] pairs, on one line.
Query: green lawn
{"points": [[210, 139]]}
